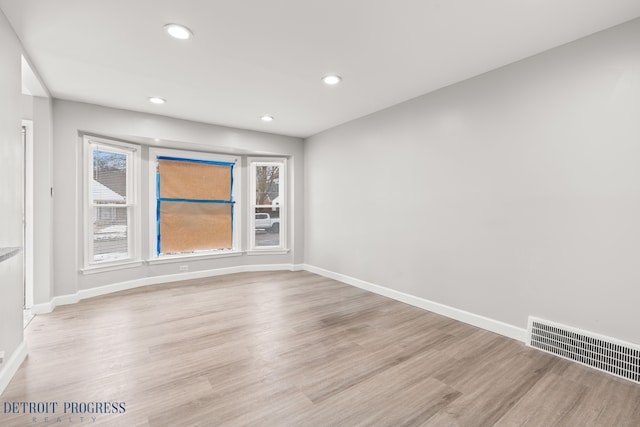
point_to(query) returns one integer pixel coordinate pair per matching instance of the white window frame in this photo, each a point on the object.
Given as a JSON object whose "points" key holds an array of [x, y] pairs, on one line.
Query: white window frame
{"points": [[90, 144], [253, 163], [236, 194]]}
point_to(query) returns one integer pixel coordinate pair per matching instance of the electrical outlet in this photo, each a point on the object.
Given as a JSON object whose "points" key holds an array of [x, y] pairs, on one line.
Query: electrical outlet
{"points": [[184, 268]]}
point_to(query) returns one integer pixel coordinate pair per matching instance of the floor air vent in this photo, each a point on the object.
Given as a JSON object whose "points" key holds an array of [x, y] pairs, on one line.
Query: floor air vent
{"points": [[605, 354]]}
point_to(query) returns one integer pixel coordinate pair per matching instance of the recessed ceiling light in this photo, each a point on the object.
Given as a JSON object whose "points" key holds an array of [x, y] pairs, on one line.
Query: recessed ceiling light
{"points": [[178, 31], [331, 79], [157, 100], [266, 118]]}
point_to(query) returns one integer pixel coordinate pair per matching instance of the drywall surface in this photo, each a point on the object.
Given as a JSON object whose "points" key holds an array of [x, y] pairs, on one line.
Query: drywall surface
{"points": [[511, 194], [11, 192], [72, 118], [27, 107]]}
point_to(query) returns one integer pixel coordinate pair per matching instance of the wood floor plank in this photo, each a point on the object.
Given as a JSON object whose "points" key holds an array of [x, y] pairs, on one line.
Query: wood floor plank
{"points": [[297, 349], [547, 405]]}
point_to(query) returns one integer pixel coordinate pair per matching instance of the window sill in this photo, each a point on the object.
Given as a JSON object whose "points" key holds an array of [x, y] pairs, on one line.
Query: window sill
{"points": [[110, 267], [182, 258], [267, 252]]}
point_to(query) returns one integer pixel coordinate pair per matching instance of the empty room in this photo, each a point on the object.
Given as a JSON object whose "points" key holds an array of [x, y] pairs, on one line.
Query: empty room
{"points": [[339, 213]]}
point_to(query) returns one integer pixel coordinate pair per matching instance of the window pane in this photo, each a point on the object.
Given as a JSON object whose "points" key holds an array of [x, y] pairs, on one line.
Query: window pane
{"points": [[110, 233], [267, 230], [109, 177], [181, 179], [268, 185], [188, 227]]}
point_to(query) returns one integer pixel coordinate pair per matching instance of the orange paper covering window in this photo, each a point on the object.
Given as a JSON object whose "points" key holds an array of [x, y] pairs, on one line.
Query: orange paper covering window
{"points": [[195, 181], [188, 227]]}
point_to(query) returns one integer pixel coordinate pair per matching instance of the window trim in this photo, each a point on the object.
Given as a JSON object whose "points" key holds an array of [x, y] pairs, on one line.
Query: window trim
{"points": [[283, 247], [154, 153], [89, 143]]}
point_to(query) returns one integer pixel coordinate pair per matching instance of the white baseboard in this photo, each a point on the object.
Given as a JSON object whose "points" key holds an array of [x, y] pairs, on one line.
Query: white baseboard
{"points": [[156, 280], [492, 325], [43, 308], [48, 307], [9, 367]]}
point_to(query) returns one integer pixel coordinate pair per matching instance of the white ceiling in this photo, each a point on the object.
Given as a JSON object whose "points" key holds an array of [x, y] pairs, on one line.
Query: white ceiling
{"points": [[251, 57]]}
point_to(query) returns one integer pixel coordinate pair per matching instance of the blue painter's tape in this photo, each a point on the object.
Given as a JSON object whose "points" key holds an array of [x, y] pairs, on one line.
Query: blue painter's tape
{"points": [[167, 199], [157, 214], [232, 202], [158, 228], [231, 186], [206, 162]]}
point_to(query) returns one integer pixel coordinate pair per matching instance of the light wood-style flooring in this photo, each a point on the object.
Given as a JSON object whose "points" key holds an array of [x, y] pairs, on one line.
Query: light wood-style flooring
{"points": [[297, 349]]}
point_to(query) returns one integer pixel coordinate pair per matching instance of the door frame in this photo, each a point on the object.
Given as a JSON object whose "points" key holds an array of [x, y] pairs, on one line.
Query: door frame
{"points": [[28, 214]]}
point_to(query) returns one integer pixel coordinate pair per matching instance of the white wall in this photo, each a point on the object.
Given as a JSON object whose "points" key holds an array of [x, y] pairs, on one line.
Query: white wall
{"points": [[11, 196], [27, 107], [70, 118], [514, 193]]}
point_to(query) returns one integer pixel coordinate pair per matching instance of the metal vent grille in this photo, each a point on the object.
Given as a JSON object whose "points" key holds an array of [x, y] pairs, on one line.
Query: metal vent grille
{"points": [[605, 354]]}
